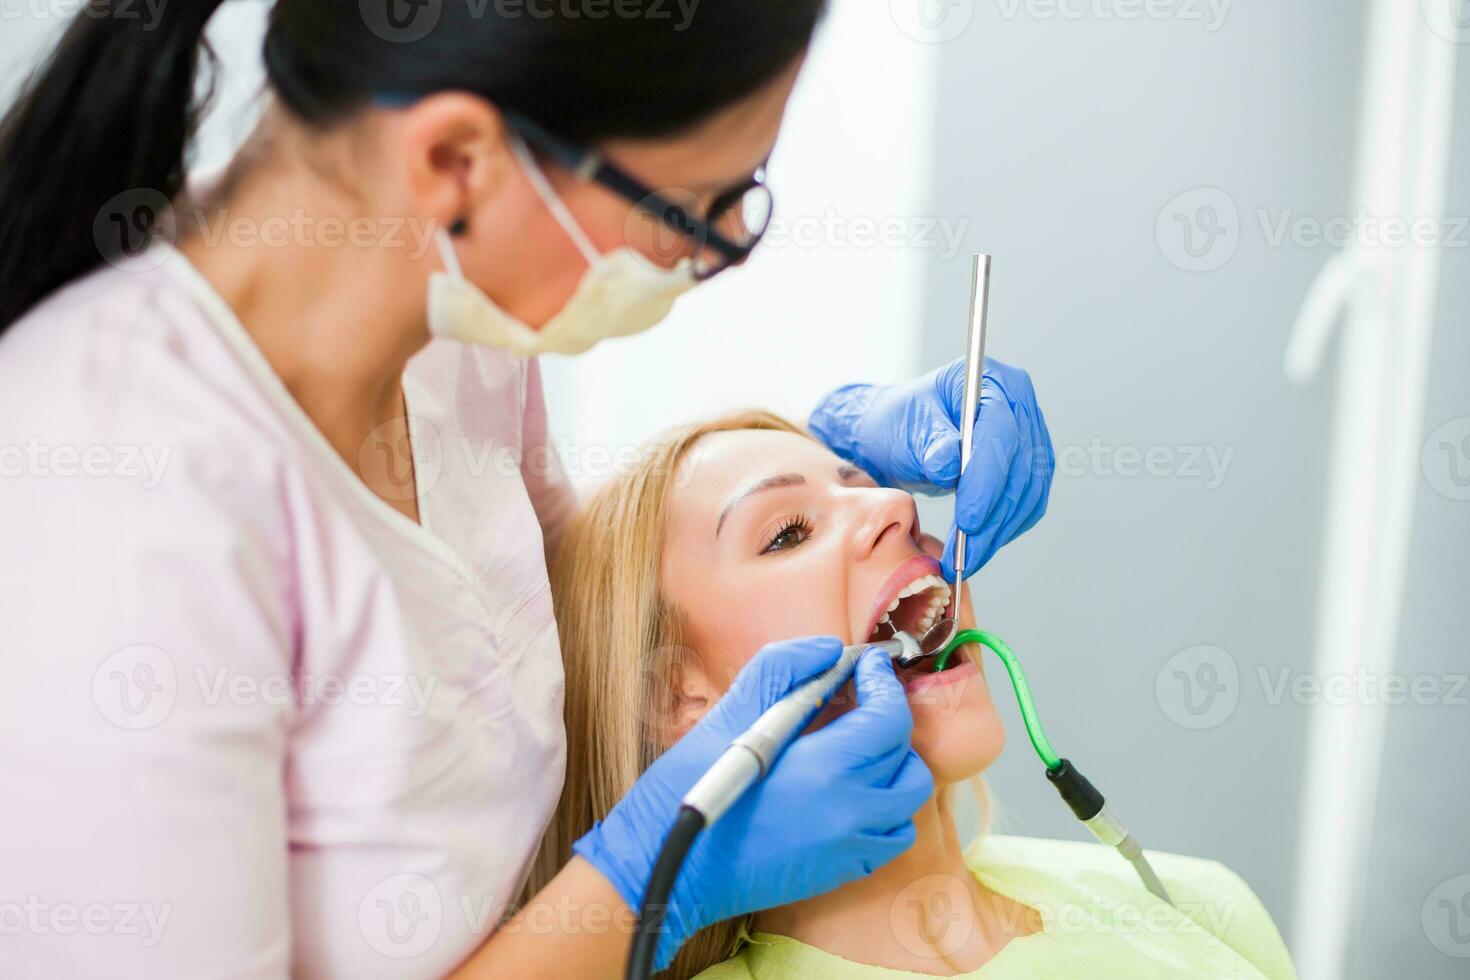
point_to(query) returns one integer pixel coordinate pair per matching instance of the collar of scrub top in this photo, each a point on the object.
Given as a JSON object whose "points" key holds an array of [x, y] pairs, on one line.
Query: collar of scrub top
{"points": [[591, 165]]}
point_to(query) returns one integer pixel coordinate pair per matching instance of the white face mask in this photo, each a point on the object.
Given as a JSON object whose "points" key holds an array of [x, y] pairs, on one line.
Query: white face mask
{"points": [[622, 293]]}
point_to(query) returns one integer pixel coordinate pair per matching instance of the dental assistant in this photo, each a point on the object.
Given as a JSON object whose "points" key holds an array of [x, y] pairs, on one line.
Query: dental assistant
{"points": [[289, 702]]}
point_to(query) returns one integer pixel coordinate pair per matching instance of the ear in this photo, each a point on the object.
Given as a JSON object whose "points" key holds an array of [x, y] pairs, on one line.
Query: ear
{"points": [[691, 696], [458, 156]]}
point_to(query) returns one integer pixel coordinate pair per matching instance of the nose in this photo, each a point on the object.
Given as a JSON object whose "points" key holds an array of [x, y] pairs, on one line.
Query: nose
{"points": [[889, 515]]}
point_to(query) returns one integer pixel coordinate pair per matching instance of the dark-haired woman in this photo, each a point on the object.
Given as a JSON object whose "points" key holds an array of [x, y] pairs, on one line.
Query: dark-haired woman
{"points": [[284, 693]]}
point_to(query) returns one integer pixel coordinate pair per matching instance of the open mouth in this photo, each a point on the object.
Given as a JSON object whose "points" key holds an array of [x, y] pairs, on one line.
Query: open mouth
{"points": [[914, 598], [917, 607]]}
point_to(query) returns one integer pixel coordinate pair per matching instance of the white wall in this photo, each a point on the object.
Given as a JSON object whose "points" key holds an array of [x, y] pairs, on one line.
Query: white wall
{"points": [[817, 305]]}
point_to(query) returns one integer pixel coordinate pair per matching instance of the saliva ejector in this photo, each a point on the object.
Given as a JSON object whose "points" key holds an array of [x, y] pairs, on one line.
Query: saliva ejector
{"points": [[751, 755]]}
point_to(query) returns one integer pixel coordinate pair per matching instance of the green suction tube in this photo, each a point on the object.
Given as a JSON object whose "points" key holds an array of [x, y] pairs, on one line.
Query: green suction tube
{"points": [[1018, 681], [1084, 800]]}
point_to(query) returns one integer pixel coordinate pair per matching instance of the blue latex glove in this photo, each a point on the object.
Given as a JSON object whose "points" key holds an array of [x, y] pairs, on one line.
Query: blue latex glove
{"points": [[908, 436], [838, 803]]}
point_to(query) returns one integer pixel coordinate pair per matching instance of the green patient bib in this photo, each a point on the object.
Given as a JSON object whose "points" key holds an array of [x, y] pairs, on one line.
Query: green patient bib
{"points": [[1098, 922]]}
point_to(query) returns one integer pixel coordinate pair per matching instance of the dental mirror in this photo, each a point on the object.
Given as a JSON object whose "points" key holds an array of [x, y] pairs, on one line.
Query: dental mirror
{"points": [[931, 645], [938, 637]]}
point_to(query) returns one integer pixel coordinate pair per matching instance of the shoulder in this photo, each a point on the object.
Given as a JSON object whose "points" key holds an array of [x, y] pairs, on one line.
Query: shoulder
{"points": [[124, 344], [1208, 892], [125, 363], [734, 968], [124, 415]]}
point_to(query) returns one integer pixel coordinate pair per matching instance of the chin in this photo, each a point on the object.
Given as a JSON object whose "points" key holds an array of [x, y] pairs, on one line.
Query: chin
{"points": [[957, 731]]}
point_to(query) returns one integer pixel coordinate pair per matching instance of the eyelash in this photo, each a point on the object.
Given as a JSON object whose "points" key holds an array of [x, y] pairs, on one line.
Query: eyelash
{"points": [[797, 523]]}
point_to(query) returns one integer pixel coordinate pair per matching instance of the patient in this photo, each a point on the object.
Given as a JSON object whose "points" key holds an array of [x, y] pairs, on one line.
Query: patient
{"points": [[738, 532]]}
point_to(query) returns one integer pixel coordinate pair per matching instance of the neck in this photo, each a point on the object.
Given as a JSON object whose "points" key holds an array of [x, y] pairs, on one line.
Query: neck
{"points": [[925, 911], [334, 310]]}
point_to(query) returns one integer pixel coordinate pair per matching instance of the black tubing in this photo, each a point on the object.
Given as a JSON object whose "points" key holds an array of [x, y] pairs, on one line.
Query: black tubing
{"points": [[687, 826], [1077, 792]]}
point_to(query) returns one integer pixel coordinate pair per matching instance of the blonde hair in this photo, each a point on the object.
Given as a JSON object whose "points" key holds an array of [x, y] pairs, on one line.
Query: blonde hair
{"points": [[621, 646]]}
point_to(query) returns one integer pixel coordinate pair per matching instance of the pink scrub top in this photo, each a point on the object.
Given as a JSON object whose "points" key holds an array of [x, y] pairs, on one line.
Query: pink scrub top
{"points": [[254, 722]]}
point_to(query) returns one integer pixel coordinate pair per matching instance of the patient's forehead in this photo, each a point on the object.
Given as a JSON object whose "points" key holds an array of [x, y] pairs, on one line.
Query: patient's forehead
{"points": [[723, 462]]}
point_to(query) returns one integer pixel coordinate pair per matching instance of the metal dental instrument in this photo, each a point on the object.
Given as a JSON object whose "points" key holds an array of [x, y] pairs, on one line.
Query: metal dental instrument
{"points": [[751, 755], [974, 374], [905, 651], [746, 761]]}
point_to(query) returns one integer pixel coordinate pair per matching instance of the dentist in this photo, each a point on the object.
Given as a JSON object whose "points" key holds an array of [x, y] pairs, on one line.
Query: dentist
{"points": [[292, 704]]}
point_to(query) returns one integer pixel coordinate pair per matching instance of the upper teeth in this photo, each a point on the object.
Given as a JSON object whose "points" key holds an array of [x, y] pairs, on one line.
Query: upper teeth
{"points": [[937, 602]]}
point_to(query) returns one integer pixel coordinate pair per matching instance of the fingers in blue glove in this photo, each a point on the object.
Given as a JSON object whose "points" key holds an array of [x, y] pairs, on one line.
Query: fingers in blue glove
{"points": [[911, 787], [873, 740], [771, 674], [1003, 492], [879, 849], [882, 721], [940, 439], [998, 456]]}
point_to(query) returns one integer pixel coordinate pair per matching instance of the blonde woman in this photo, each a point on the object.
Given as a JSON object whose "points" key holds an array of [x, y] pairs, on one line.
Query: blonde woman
{"points": [[737, 532]]}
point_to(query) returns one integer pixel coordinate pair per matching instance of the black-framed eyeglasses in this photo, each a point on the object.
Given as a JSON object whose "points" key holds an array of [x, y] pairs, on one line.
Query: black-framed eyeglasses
{"points": [[725, 235]]}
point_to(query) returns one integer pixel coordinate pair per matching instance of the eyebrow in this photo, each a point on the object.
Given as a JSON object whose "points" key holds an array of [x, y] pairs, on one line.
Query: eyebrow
{"points": [[769, 483], [844, 473]]}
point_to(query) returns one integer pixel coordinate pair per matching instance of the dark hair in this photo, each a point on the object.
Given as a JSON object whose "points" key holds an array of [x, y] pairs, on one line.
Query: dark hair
{"points": [[104, 125]]}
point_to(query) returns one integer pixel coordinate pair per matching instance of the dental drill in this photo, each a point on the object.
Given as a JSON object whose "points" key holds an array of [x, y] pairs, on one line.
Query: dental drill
{"points": [[751, 755], [748, 759]]}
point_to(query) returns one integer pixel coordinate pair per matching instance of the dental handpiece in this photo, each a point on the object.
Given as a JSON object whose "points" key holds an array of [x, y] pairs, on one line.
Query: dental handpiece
{"points": [[752, 753]]}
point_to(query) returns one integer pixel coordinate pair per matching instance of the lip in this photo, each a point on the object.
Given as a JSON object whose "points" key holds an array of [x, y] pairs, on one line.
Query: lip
{"points": [[920, 681], [915, 567]]}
